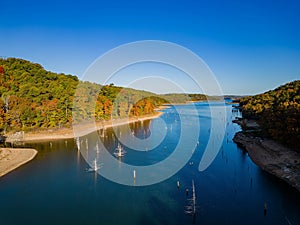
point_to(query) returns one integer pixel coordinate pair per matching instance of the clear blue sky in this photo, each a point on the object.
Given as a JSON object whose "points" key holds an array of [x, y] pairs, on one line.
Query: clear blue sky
{"points": [[251, 46]]}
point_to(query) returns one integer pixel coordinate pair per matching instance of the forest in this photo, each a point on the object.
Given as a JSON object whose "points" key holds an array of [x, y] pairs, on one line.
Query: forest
{"points": [[277, 112], [33, 98], [177, 98]]}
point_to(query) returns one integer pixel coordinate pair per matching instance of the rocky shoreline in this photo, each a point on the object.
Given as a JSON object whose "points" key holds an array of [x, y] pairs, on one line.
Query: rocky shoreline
{"points": [[270, 156]]}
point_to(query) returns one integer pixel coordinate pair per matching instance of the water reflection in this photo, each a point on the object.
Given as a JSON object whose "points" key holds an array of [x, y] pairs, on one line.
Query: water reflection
{"points": [[141, 129], [232, 189]]}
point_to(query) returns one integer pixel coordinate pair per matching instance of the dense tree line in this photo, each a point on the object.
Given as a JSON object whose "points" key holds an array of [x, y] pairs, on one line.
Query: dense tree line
{"points": [[183, 98], [278, 112], [32, 98], [112, 102]]}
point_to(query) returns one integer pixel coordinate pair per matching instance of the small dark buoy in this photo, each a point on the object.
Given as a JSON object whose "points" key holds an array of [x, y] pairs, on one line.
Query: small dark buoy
{"points": [[187, 191], [265, 208]]}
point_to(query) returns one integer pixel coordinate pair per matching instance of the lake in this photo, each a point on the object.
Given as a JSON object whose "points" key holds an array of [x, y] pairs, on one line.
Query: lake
{"points": [[57, 188]]}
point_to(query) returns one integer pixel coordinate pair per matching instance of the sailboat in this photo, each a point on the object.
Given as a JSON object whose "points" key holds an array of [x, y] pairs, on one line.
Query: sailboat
{"points": [[120, 152], [191, 207]]}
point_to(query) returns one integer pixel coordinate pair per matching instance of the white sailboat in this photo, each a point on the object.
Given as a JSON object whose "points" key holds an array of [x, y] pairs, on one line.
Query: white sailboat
{"points": [[120, 152]]}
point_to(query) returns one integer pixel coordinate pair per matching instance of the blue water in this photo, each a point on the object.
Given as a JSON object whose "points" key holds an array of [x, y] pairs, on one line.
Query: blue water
{"points": [[55, 187]]}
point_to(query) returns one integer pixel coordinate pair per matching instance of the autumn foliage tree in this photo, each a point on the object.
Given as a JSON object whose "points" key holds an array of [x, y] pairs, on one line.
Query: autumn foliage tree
{"points": [[278, 112], [33, 98]]}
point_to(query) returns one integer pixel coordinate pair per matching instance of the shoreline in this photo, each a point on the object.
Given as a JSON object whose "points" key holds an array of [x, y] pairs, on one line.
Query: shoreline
{"points": [[85, 129], [12, 158], [272, 157]]}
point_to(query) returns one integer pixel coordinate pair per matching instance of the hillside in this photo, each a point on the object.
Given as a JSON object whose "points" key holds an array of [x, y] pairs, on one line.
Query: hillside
{"points": [[277, 112], [33, 98]]}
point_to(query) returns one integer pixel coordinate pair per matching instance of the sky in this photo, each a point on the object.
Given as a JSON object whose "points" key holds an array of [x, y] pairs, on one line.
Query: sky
{"points": [[250, 46]]}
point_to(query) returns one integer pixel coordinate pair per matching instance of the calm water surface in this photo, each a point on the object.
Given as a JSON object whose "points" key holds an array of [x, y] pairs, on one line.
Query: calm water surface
{"points": [[55, 187]]}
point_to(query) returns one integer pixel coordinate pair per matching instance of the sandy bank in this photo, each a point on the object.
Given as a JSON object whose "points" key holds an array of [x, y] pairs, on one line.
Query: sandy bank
{"points": [[272, 157], [12, 158], [66, 133]]}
